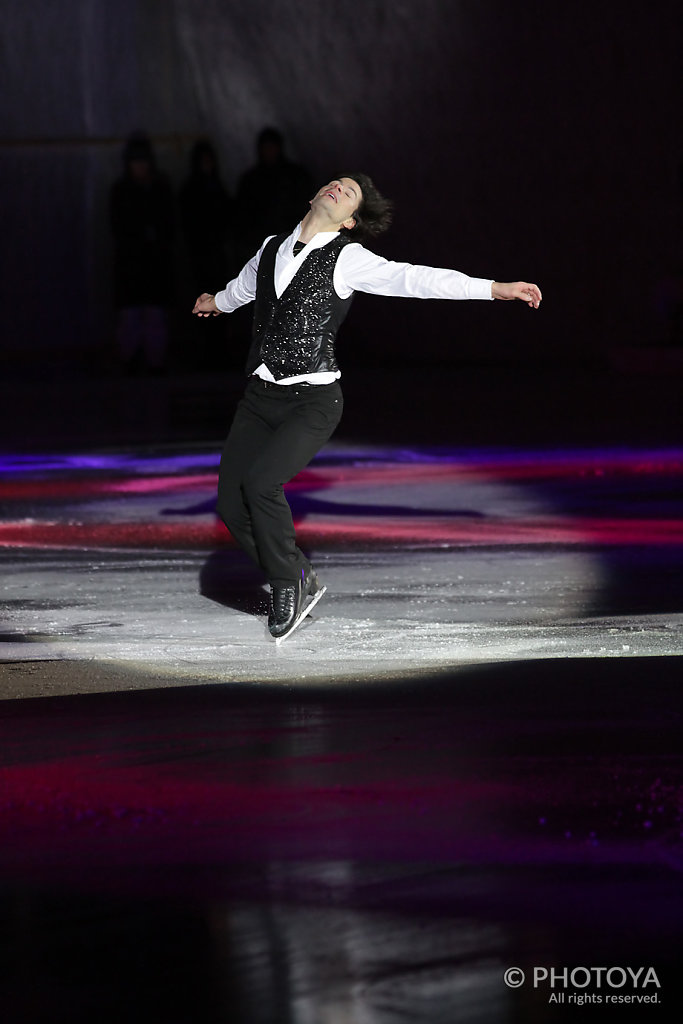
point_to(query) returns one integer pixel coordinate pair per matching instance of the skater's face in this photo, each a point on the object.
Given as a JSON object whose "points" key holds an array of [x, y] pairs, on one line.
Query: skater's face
{"points": [[338, 201]]}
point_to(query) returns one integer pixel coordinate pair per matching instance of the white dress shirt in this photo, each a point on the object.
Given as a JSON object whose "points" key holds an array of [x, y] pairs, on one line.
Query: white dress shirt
{"points": [[357, 270]]}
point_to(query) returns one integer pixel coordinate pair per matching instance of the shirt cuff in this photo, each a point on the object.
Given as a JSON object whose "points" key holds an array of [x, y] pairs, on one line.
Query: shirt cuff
{"points": [[480, 288], [220, 300]]}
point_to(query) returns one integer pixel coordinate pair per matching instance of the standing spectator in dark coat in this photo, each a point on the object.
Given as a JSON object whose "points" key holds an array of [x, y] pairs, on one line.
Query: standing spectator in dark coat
{"points": [[142, 223], [271, 194], [206, 215]]}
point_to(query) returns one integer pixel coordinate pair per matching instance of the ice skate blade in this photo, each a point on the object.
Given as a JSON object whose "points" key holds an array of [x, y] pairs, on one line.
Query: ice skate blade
{"points": [[305, 611]]}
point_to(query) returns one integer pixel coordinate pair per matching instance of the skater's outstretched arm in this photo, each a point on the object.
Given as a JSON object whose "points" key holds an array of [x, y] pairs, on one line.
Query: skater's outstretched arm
{"points": [[359, 269]]}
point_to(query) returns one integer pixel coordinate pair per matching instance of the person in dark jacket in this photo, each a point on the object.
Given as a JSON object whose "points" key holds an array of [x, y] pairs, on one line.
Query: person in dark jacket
{"points": [[270, 194], [206, 212], [142, 223]]}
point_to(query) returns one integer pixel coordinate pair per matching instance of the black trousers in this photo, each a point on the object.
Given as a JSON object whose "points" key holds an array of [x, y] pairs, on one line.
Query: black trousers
{"points": [[277, 430]]}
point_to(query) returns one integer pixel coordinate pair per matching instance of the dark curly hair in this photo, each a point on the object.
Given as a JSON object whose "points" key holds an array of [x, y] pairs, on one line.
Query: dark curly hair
{"points": [[374, 214]]}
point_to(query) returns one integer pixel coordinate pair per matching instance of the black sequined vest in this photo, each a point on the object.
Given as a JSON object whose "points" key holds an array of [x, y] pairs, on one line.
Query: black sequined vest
{"points": [[295, 334]]}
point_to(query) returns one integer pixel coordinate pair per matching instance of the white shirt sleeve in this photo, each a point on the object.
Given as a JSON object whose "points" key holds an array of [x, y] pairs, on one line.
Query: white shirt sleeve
{"points": [[242, 289], [360, 270]]}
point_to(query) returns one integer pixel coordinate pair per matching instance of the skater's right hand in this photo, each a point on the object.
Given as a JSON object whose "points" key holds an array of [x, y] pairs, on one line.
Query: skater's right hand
{"points": [[529, 293], [206, 305]]}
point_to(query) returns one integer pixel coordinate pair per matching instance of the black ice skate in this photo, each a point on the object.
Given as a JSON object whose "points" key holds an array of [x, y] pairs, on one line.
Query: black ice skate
{"points": [[290, 605]]}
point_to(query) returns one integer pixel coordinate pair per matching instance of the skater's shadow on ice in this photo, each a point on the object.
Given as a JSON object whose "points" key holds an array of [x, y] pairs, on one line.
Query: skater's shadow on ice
{"points": [[229, 580]]}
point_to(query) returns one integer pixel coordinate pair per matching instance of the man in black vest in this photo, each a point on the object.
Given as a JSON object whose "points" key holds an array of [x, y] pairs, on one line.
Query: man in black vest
{"points": [[303, 284]]}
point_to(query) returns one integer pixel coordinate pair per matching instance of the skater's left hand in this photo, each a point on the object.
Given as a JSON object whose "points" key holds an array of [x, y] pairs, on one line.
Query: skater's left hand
{"points": [[529, 293], [206, 305]]}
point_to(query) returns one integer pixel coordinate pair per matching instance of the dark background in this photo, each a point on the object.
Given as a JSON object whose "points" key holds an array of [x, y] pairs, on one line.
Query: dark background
{"points": [[533, 140]]}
